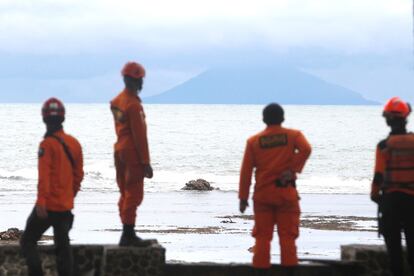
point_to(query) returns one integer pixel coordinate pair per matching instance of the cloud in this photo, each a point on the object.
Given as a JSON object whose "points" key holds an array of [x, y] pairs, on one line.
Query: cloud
{"points": [[77, 47], [103, 26], [388, 81]]}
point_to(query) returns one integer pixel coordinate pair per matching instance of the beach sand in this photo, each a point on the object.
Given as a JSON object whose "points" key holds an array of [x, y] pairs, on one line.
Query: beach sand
{"points": [[207, 226]]}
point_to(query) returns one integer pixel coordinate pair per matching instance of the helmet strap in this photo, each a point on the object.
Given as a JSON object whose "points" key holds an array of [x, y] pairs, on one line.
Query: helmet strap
{"points": [[52, 128], [397, 125], [53, 124]]}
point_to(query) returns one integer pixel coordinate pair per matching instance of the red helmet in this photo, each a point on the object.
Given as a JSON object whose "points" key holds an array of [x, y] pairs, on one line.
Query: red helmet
{"points": [[53, 107], [395, 107], [134, 70]]}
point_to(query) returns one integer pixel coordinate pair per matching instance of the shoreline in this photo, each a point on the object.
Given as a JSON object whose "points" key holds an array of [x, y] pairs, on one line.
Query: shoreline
{"points": [[207, 227], [326, 223]]}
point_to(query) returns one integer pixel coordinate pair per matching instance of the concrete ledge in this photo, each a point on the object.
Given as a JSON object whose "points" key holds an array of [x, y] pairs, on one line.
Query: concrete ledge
{"points": [[317, 268], [90, 260], [87, 258], [111, 260], [131, 261], [239, 270], [340, 268], [373, 258]]}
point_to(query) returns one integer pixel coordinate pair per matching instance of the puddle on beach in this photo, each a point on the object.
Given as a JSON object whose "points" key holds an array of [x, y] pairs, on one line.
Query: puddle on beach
{"points": [[184, 230], [328, 223]]}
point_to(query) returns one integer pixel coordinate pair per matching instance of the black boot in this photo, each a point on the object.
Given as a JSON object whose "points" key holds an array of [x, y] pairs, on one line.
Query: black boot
{"points": [[261, 272], [129, 238]]}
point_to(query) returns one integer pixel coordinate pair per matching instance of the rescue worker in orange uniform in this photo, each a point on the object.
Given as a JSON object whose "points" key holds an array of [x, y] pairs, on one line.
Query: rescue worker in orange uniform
{"points": [[60, 168], [132, 159], [393, 185], [277, 154]]}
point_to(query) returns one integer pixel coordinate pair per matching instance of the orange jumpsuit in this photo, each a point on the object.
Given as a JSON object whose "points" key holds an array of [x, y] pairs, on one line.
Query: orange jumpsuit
{"points": [[58, 182], [131, 153], [272, 152]]}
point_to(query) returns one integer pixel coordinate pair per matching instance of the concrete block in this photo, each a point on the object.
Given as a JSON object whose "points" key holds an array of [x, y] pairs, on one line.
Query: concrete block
{"points": [[373, 258], [134, 261]]}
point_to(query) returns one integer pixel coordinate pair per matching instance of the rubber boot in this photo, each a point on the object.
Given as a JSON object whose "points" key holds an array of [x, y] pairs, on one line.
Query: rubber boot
{"points": [[129, 238], [261, 272]]}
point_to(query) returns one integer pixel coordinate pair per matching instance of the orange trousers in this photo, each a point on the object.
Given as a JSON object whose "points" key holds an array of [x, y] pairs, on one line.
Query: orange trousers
{"points": [[130, 179], [285, 214]]}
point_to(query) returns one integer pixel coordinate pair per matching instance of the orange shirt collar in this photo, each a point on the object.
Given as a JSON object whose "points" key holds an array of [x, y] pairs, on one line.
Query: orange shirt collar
{"points": [[271, 127]]}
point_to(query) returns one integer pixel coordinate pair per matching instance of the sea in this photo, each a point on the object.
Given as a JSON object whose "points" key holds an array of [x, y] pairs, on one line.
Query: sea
{"points": [[202, 141], [198, 141]]}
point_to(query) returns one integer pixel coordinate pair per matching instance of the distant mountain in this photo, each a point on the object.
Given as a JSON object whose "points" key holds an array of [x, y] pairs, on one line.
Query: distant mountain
{"points": [[258, 85]]}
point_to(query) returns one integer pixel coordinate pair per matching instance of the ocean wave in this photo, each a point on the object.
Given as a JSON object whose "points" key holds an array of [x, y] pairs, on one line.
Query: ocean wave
{"points": [[229, 183], [100, 170], [13, 177], [94, 175], [100, 176], [331, 184], [18, 175]]}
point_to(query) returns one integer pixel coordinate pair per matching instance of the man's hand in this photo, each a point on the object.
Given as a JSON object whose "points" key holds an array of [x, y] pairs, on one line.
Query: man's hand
{"points": [[41, 212], [148, 173], [375, 198], [243, 205]]}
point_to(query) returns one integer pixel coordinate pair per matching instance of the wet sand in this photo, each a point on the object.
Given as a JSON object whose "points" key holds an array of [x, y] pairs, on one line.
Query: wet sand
{"points": [[206, 226]]}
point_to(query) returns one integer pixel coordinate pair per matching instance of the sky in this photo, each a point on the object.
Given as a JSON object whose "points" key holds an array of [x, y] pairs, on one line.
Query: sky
{"points": [[75, 48]]}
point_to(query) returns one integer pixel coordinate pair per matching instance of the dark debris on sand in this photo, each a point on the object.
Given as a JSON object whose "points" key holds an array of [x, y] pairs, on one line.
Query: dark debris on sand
{"points": [[12, 235]]}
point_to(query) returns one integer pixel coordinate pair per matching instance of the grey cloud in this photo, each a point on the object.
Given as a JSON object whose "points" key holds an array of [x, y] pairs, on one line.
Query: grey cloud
{"points": [[73, 27]]}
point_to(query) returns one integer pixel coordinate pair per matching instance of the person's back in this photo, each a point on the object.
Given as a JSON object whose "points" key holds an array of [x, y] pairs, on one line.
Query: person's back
{"points": [[130, 124], [60, 168], [55, 167], [277, 154], [131, 151], [273, 152], [393, 185]]}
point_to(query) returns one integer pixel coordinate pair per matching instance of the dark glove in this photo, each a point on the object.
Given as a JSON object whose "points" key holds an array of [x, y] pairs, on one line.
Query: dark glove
{"points": [[148, 173], [243, 205], [41, 212], [375, 198]]}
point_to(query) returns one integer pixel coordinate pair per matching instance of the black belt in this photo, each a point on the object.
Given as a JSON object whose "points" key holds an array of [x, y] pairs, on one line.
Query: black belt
{"points": [[285, 184], [399, 185]]}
